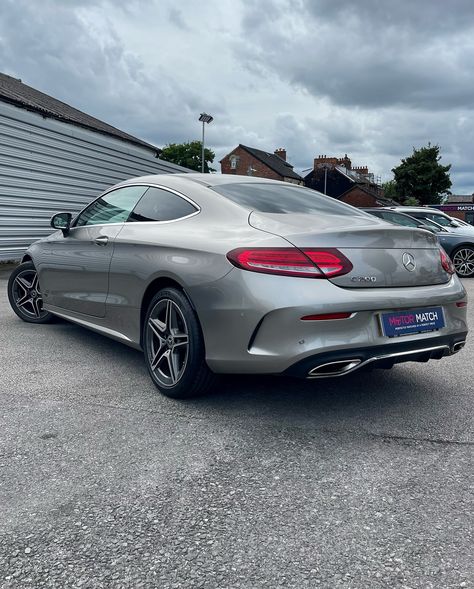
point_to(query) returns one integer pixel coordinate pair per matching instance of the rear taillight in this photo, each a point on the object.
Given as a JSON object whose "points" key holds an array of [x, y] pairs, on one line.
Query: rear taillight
{"points": [[448, 266], [291, 261]]}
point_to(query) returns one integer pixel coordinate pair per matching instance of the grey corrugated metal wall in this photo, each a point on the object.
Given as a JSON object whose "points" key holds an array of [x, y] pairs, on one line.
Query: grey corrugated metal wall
{"points": [[47, 166]]}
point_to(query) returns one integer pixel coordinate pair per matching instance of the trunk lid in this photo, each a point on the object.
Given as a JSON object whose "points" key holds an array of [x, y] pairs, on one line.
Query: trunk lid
{"points": [[382, 254]]}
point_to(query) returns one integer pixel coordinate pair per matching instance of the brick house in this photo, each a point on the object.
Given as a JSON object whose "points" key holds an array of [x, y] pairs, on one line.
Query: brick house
{"points": [[248, 161], [337, 177]]}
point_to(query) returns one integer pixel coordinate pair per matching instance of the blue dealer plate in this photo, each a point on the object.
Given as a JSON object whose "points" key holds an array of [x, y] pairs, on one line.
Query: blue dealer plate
{"points": [[416, 321]]}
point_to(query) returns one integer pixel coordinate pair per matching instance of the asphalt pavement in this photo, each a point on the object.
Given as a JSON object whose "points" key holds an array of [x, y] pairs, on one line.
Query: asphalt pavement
{"points": [[360, 482]]}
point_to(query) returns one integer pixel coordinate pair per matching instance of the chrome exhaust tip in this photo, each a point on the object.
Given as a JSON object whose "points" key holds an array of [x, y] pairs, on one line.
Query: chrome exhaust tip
{"points": [[337, 368], [458, 346], [341, 367]]}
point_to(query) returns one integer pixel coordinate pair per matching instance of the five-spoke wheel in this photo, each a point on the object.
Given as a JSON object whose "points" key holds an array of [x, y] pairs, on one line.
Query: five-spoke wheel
{"points": [[463, 260], [25, 295], [168, 342], [174, 347]]}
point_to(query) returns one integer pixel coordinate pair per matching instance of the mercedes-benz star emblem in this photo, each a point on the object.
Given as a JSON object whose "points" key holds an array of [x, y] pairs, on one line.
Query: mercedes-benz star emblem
{"points": [[409, 261]]}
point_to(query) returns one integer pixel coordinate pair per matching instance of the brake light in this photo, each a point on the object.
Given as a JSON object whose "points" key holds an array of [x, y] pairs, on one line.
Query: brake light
{"points": [[446, 262], [307, 263], [461, 304], [330, 261]]}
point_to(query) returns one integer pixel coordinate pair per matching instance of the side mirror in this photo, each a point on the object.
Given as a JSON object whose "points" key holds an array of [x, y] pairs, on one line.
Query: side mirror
{"points": [[62, 221]]}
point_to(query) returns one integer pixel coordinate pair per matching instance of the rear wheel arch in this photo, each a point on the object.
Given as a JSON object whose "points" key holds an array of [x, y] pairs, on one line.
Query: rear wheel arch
{"points": [[468, 244], [155, 286]]}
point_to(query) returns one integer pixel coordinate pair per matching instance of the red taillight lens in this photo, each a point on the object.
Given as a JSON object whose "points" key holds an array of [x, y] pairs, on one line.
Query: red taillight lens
{"points": [[446, 262], [308, 263], [461, 304], [326, 317], [287, 261], [330, 261]]}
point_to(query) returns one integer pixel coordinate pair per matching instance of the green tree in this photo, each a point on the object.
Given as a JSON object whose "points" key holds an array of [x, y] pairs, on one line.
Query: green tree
{"points": [[390, 190], [421, 176], [188, 155], [411, 201]]}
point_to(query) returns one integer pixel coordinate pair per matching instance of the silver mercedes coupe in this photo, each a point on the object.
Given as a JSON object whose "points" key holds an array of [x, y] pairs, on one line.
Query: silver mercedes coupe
{"points": [[214, 274]]}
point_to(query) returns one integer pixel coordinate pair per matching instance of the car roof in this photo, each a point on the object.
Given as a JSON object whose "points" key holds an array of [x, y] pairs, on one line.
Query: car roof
{"points": [[381, 209], [391, 210], [196, 186], [203, 179], [417, 209], [387, 209]]}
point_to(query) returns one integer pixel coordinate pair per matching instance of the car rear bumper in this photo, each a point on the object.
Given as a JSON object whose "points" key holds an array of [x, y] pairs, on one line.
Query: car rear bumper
{"points": [[252, 322]]}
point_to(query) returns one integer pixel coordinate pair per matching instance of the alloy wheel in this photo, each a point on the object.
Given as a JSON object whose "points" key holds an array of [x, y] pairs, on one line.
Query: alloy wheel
{"points": [[27, 294], [168, 342], [463, 261]]}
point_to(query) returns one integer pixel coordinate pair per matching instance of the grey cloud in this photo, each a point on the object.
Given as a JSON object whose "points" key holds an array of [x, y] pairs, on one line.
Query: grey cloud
{"points": [[369, 53], [84, 63], [176, 17], [426, 17]]}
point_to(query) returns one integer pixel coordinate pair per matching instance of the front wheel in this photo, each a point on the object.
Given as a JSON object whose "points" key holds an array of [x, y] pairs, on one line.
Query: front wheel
{"points": [[174, 347], [25, 296], [463, 260]]}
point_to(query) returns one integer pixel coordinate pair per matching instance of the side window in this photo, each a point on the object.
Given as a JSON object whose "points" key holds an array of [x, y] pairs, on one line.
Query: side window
{"points": [[401, 220], [160, 205], [114, 207], [440, 219]]}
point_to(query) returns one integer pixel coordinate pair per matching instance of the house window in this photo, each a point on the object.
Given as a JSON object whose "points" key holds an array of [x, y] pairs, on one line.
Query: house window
{"points": [[233, 162]]}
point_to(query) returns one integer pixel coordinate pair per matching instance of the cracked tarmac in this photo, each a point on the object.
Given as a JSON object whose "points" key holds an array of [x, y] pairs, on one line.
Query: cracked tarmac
{"points": [[358, 482]]}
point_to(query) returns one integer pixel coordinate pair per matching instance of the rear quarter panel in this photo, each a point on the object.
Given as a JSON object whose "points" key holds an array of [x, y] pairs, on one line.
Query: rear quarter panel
{"points": [[191, 252]]}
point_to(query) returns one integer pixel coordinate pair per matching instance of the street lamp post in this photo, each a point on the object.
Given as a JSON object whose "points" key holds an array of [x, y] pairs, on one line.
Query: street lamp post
{"points": [[326, 168], [204, 118]]}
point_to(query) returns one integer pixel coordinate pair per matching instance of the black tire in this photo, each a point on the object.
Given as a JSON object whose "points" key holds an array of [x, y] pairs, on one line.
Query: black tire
{"points": [[24, 294], [463, 260], [179, 370]]}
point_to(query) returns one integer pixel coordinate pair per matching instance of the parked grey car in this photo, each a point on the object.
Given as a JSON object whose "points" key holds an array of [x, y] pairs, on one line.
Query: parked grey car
{"points": [[462, 250], [232, 274]]}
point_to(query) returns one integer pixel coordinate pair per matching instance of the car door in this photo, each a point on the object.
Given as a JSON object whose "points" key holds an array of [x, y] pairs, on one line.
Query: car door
{"points": [[75, 268], [143, 247]]}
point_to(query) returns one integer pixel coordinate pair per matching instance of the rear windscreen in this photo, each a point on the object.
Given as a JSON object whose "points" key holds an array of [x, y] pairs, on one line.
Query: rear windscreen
{"points": [[275, 198]]}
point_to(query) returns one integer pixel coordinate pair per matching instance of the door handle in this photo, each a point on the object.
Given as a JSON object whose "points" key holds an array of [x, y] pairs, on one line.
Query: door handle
{"points": [[102, 240]]}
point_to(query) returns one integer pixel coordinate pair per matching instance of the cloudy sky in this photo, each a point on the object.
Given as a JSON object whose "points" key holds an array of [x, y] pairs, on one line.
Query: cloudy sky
{"points": [[371, 78]]}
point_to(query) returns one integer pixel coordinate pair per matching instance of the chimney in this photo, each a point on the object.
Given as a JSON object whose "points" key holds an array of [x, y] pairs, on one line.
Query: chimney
{"points": [[323, 161], [345, 161], [281, 152], [364, 170]]}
